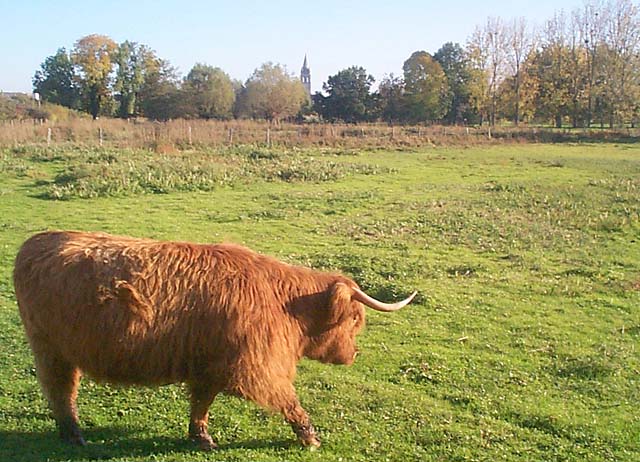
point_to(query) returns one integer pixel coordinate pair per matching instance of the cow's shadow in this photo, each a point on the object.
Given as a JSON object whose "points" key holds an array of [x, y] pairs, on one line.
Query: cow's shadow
{"points": [[110, 443]]}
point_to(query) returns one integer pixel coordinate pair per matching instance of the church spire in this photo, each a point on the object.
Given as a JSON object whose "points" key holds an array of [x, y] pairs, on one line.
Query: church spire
{"points": [[305, 76]]}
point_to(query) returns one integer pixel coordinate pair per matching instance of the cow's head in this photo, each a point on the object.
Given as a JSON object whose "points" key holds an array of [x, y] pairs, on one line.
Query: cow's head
{"points": [[333, 338]]}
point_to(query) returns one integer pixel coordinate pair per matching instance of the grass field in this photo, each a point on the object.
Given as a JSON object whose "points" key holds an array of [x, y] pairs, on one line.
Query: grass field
{"points": [[524, 342]]}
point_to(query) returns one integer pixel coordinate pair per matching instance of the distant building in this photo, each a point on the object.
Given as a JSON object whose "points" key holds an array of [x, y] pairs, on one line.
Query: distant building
{"points": [[14, 94], [305, 76]]}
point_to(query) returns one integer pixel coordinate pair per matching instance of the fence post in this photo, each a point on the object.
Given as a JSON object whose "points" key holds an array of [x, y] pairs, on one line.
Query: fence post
{"points": [[230, 136], [190, 139], [49, 136], [100, 135], [268, 137]]}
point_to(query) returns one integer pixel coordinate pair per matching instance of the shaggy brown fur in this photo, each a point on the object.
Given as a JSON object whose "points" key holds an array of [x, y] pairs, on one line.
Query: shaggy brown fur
{"points": [[220, 318]]}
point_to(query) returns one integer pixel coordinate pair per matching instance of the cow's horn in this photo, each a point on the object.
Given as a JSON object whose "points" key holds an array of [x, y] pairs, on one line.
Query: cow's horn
{"points": [[377, 304]]}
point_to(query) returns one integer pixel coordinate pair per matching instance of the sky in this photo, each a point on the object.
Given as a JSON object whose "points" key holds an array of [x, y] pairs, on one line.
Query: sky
{"points": [[239, 36]]}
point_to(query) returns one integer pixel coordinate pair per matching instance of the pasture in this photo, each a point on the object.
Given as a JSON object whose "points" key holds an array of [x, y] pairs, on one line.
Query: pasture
{"points": [[523, 344]]}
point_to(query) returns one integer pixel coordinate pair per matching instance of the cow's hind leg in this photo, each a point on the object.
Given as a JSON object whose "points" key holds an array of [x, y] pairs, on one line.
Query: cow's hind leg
{"points": [[59, 381], [201, 398]]}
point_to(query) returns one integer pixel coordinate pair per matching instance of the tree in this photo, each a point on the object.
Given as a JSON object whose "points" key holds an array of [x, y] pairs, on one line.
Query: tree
{"points": [[621, 43], [348, 96], [134, 63], [519, 44], [577, 72], [210, 91], [160, 97], [455, 63], [93, 55], [273, 94], [239, 90], [525, 100], [486, 50], [426, 88], [478, 92], [391, 95], [559, 69], [55, 81], [553, 99], [591, 25]]}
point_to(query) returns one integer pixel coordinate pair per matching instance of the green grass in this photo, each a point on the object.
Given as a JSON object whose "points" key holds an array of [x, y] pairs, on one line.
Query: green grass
{"points": [[522, 345]]}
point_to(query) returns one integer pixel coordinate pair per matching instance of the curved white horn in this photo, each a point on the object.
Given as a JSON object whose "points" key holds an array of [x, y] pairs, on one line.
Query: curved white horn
{"points": [[378, 305]]}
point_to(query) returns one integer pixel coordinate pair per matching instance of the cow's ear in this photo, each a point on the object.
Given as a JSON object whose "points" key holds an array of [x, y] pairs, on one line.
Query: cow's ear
{"points": [[339, 302]]}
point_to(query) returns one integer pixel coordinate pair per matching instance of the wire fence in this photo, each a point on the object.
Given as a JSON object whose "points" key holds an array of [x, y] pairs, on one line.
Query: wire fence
{"points": [[195, 134]]}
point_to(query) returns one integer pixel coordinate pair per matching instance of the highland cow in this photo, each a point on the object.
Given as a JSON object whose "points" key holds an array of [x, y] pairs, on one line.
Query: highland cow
{"points": [[220, 318]]}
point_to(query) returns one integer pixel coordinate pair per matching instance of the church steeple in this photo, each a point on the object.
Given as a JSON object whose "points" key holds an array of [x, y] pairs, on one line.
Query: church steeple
{"points": [[305, 76]]}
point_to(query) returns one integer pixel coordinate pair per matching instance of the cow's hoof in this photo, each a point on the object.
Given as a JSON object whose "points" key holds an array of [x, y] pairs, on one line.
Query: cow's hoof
{"points": [[70, 433], [204, 442], [76, 440], [312, 443], [79, 441]]}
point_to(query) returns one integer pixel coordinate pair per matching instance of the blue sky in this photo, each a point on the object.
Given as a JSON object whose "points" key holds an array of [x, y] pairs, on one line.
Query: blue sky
{"points": [[239, 36]]}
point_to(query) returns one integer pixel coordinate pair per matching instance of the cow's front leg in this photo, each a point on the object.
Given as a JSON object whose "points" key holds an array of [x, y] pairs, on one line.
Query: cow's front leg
{"points": [[300, 423], [201, 398]]}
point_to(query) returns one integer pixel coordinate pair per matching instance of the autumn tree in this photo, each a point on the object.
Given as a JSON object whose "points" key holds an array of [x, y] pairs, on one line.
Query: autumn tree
{"points": [[272, 93], [559, 68], [621, 47], [425, 86], [553, 101], [520, 104], [93, 55], [478, 87], [577, 71], [550, 65], [55, 81], [519, 42], [590, 21], [487, 52]]}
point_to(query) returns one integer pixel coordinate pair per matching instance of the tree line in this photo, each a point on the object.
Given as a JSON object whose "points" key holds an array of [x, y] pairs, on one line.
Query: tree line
{"points": [[579, 68], [126, 80]]}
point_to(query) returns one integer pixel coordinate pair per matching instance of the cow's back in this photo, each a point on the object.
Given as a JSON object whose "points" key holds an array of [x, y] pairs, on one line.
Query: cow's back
{"points": [[68, 277], [106, 304]]}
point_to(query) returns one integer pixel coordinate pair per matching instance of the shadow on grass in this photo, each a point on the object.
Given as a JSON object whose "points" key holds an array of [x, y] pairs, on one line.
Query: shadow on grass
{"points": [[110, 443]]}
